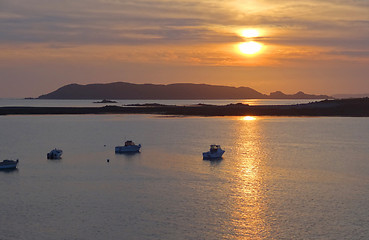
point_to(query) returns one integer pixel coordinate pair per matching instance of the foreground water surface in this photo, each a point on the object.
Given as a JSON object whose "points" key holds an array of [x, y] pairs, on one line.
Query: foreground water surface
{"points": [[280, 178]]}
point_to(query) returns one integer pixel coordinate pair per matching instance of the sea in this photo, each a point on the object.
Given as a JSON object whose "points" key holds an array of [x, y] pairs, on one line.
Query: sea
{"points": [[280, 177]]}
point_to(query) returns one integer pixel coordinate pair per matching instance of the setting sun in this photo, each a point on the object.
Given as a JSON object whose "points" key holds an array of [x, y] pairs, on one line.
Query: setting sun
{"points": [[248, 118], [250, 47]]}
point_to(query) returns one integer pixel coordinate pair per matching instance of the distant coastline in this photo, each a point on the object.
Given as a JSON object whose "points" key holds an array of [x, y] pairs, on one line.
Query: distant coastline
{"points": [[343, 107], [178, 91]]}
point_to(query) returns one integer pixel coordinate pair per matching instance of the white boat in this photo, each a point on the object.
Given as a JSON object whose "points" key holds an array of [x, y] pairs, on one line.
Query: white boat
{"points": [[8, 164], [215, 152], [54, 154], [129, 147]]}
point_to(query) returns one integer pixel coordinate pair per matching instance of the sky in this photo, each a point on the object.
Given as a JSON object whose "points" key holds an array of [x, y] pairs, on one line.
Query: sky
{"points": [[314, 46]]}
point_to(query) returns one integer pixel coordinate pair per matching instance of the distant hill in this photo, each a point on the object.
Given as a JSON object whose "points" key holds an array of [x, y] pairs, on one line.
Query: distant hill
{"points": [[123, 90], [299, 95]]}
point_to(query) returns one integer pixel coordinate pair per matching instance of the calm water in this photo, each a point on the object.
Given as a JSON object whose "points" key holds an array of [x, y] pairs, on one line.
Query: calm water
{"points": [[281, 178]]}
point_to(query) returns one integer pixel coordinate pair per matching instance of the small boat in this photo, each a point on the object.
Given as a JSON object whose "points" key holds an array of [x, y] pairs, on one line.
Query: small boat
{"points": [[54, 154], [129, 147], [8, 164], [215, 152]]}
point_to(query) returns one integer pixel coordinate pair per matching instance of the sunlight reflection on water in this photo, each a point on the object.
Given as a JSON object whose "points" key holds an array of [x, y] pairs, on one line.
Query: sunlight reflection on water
{"points": [[248, 198]]}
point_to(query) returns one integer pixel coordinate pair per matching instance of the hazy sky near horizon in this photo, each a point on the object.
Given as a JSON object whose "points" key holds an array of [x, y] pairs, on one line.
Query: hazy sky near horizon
{"points": [[315, 46]]}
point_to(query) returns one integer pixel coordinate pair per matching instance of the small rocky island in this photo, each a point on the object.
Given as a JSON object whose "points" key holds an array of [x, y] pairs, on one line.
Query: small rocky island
{"points": [[105, 101]]}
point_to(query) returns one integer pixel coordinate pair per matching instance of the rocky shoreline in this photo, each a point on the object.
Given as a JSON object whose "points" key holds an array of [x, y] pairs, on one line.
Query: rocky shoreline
{"points": [[358, 107]]}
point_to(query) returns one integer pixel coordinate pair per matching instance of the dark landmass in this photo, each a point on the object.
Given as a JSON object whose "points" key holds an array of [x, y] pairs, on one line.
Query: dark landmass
{"points": [[105, 101], [147, 105], [351, 95], [123, 90], [343, 107]]}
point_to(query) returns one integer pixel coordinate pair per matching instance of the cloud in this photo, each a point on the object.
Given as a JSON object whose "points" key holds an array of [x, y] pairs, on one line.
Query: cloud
{"points": [[354, 54], [186, 31], [106, 22], [163, 22]]}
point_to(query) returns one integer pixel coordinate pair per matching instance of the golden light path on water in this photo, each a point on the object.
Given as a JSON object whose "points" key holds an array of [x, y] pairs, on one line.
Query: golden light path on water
{"points": [[249, 207], [249, 118]]}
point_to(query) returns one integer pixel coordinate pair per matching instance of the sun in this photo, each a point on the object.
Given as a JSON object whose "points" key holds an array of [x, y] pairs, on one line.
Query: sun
{"points": [[250, 47], [250, 33], [248, 118]]}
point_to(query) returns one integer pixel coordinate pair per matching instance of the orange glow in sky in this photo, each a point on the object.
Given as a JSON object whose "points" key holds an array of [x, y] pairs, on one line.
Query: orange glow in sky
{"points": [[250, 33], [319, 47], [250, 47]]}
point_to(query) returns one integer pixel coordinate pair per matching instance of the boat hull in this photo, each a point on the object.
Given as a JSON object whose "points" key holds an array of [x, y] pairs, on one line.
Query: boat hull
{"points": [[53, 156], [9, 164], [128, 149], [13, 166], [213, 156]]}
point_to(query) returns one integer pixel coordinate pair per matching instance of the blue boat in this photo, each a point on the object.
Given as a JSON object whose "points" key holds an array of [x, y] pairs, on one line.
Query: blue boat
{"points": [[215, 152], [9, 164], [54, 154], [129, 147]]}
